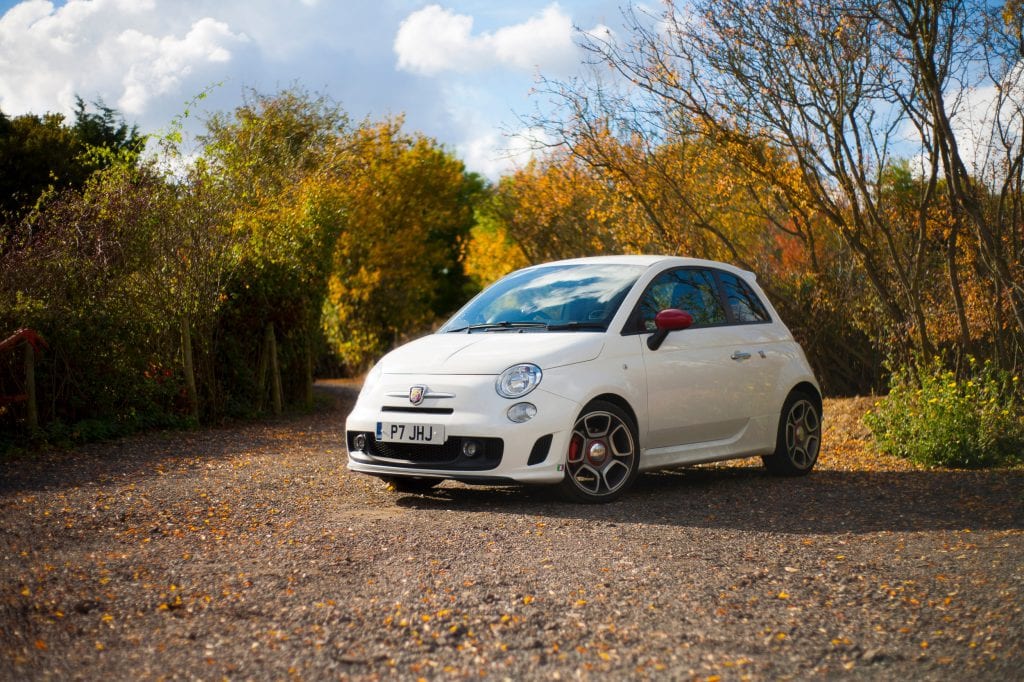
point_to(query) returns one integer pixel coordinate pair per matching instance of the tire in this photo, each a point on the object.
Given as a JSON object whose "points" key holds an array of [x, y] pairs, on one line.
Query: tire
{"points": [[799, 438], [603, 456], [406, 484]]}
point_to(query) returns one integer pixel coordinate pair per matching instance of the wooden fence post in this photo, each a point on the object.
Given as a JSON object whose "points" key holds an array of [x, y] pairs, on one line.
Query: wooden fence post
{"points": [[309, 369], [189, 367], [30, 383], [261, 372], [275, 369]]}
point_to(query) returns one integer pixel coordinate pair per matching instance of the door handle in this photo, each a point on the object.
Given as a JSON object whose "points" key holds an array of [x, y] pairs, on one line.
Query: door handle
{"points": [[740, 355]]}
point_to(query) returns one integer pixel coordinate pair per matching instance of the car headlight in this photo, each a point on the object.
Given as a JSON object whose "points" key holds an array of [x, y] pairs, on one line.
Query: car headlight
{"points": [[518, 380]]}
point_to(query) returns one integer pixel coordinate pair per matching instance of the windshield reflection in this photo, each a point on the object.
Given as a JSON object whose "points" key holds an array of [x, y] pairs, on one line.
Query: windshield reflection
{"points": [[556, 297]]}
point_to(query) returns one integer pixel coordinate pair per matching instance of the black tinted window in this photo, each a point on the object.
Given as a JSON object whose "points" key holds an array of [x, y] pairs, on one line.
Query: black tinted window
{"points": [[743, 302], [691, 290]]}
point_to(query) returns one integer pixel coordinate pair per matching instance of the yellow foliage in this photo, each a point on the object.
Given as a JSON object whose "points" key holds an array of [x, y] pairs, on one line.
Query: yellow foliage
{"points": [[490, 254], [405, 213]]}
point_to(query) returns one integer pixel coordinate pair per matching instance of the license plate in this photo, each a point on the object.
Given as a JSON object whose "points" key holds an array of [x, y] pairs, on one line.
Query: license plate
{"points": [[423, 434]]}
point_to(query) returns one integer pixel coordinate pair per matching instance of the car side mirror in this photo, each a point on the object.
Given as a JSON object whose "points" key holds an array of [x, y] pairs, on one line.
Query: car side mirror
{"points": [[668, 320]]}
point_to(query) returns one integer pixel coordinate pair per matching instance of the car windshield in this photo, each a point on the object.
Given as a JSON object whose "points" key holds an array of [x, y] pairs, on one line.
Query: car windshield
{"points": [[568, 297]]}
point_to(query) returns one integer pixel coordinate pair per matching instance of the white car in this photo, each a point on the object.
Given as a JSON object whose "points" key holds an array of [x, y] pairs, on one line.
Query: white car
{"points": [[583, 373]]}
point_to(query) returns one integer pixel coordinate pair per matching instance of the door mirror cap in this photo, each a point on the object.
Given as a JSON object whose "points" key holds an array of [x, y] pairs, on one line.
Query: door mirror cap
{"points": [[668, 320], [672, 319]]}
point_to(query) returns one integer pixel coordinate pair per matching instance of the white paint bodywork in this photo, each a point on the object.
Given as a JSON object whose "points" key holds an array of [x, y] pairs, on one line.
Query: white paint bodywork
{"points": [[692, 400]]}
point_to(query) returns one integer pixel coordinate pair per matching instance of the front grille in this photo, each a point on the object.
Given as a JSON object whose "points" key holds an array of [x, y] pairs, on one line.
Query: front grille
{"points": [[449, 451], [446, 456], [421, 410]]}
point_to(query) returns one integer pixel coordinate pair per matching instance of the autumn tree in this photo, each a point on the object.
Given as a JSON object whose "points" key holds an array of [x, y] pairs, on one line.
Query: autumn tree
{"points": [[611, 192], [396, 267], [811, 102], [38, 152], [279, 159], [554, 209], [491, 251], [183, 289], [90, 278]]}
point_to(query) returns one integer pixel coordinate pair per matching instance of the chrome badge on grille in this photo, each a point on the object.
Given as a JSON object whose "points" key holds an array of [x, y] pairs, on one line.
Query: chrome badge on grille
{"points": [[416, 394]]}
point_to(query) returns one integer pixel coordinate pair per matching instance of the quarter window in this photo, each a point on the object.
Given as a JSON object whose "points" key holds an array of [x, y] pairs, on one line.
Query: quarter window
{"points": [[689, 289], [743, 302]]}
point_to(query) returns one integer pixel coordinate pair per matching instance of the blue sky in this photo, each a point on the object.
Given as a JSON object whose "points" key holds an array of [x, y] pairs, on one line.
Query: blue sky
{"points": [[460, 70]]}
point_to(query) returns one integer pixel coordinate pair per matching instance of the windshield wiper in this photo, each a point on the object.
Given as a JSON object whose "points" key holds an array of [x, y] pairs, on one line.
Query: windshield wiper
{"points": [[575, 326], [504, 324]]}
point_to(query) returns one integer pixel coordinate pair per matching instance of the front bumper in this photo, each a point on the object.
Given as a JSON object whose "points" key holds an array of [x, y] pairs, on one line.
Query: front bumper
{"points": [[531, 452]]}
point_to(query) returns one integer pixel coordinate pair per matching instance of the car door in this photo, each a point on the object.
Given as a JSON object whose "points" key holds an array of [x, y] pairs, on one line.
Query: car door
{"points": [[760, 345], [703, 382]]}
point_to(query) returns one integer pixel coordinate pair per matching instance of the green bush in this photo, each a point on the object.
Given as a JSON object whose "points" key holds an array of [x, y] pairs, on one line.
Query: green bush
{"points": [[932, 418]]}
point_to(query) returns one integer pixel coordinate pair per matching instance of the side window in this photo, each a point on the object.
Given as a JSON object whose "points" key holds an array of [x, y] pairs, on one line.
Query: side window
{"points": [[743, 302], [687, 289]]}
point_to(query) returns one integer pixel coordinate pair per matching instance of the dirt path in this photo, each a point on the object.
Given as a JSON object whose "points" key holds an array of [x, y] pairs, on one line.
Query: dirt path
{"points": [[250, 552]]}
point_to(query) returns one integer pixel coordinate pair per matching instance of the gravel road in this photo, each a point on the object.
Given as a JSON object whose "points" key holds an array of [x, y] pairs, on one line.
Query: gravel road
{"points": [[250, 552]]}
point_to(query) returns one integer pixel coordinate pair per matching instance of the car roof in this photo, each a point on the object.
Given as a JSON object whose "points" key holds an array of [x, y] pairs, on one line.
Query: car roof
{"points": [[651, 261]]}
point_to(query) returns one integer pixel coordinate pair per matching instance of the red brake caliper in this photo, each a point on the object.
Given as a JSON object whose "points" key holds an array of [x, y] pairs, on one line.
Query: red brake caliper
{"points": [[574, 449]]}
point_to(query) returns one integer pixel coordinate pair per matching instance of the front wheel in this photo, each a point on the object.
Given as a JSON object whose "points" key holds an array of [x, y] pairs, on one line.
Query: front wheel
{"points": [[603, 457], [799, 437]]}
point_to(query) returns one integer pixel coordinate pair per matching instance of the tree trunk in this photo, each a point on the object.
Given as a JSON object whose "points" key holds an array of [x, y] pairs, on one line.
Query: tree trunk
{"points": [[958, 297], [189, 367]]}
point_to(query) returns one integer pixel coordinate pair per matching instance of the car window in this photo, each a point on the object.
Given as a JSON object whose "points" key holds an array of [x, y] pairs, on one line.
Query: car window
{"points": [[555, 297], [743, 302], [690, 289]]}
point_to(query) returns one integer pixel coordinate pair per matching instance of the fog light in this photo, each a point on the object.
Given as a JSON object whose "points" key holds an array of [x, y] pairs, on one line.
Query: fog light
{"points": [[522, 412], [359, 441], [470, 448]]}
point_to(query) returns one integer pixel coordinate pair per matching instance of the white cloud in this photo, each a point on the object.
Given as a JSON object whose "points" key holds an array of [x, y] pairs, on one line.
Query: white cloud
{"points": [[545, 40], [149, 58], [973, 118], [482, 153], [494, 154], [472, 67], [121, 50], [989, 123], [433, 40], [159, 64]]}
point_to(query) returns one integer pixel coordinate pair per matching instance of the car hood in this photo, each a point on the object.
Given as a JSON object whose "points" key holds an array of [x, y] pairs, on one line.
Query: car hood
{"points": [[491, 352]]}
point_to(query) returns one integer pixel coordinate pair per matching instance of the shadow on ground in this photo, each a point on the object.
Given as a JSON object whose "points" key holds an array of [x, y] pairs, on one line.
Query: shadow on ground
{"points": [[747, 498]]}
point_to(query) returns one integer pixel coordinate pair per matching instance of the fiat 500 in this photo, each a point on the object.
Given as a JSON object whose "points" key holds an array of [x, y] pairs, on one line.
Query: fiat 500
{"points": [[584, 372]]}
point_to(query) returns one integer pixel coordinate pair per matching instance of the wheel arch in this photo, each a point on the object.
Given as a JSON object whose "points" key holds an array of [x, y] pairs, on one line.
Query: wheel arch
{"points": [[811, 390], [619, 402]]}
